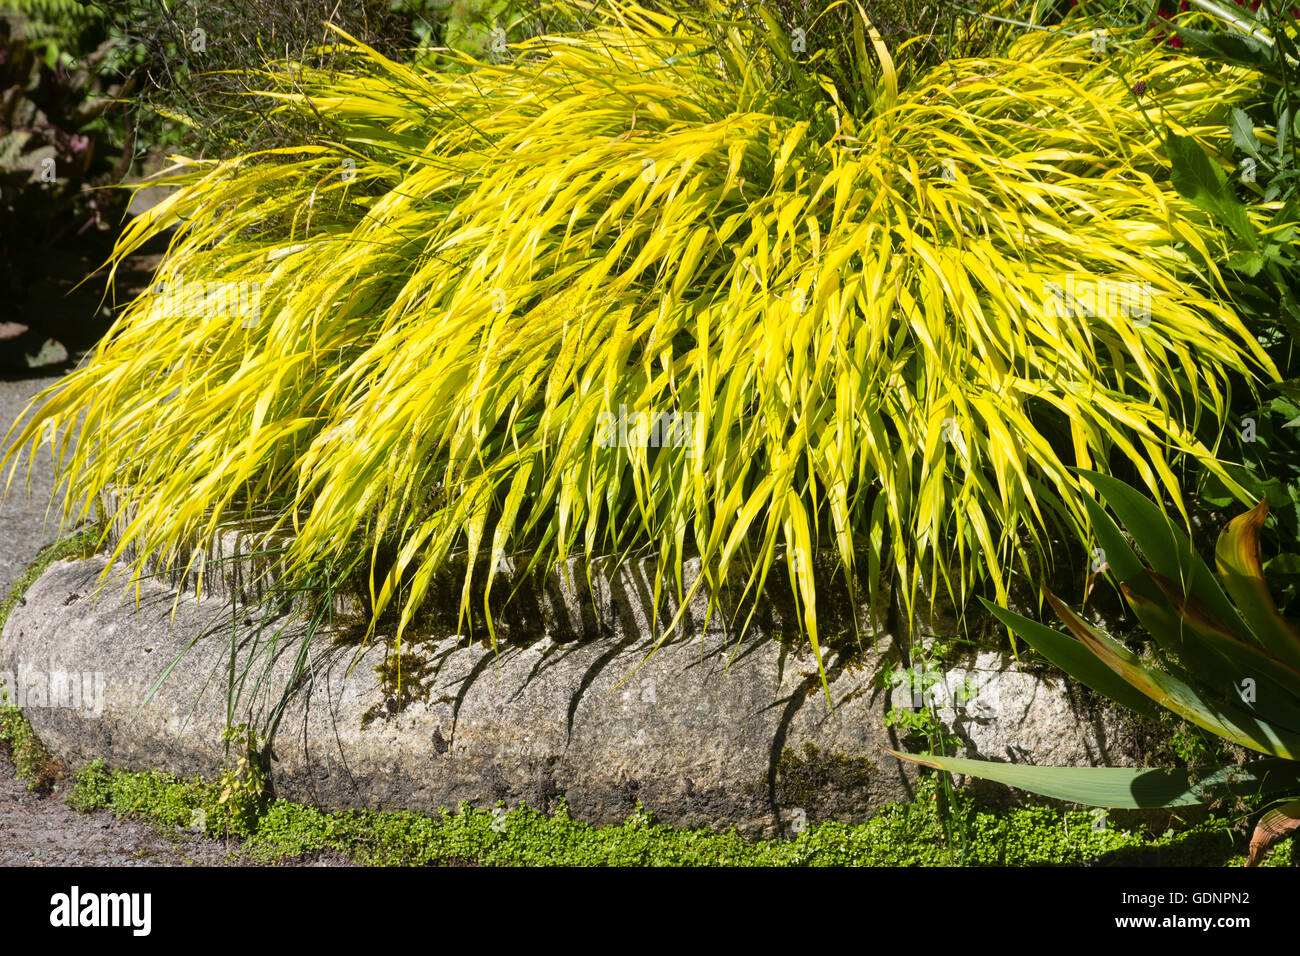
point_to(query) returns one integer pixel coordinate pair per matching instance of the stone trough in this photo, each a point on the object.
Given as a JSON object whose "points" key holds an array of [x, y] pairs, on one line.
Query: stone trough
{"points": [[708, 731]]}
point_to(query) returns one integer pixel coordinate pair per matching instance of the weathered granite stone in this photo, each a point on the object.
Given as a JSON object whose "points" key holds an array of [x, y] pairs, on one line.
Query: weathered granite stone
{"points": [[706, 732]]}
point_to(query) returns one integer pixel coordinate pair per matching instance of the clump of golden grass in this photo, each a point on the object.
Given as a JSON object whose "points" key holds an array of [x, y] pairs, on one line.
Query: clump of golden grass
{"points": [[458, 289]]}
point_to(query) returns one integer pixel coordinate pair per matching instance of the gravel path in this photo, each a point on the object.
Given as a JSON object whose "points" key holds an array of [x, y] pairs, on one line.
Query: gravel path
{"points": [[42, 831]]}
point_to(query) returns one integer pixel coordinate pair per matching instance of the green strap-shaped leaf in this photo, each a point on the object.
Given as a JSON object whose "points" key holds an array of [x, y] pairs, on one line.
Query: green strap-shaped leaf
{"points": [[1237, 556], [1188, 660], [1146, 599], [1128, 788], [1121, 560], [1276, 681], [1218, 717], [1075, 659], [1164, 545]]}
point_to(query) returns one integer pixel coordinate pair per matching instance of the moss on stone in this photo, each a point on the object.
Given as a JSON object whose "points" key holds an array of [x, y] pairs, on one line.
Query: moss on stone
{"points": [[31, 760], [79, 544], [805, 780]]}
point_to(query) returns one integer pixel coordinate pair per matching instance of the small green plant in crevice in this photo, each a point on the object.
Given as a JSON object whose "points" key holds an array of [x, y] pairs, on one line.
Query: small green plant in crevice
{"points": [[243, 783], [916, 715], [1189, 746]]}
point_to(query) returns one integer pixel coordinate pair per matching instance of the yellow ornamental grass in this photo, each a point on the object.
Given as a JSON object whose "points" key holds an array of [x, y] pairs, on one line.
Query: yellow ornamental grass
{"points": [[626, 293]]}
